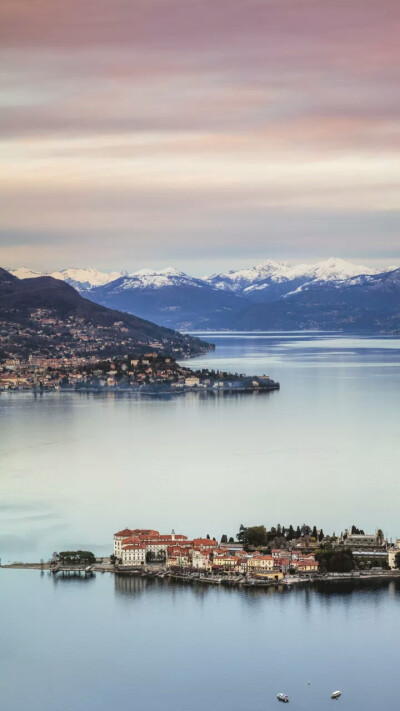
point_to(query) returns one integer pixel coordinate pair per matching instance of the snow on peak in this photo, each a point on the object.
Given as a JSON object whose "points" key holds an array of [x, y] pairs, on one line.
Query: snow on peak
{"points": [[236, 280], [156, 279], [87, 278], [79, 278], [268, 272], [25, 273]]}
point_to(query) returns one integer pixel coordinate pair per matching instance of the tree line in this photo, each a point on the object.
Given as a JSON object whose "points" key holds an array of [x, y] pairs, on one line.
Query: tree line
{"points": [[76, 558], [258, 536]]}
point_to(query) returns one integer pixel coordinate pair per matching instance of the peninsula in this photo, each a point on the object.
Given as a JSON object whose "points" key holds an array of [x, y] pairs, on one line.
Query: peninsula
{"points": [[149, 374]]}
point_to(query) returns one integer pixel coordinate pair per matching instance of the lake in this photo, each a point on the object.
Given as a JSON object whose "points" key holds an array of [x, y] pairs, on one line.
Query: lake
{"points": [[325, 449], [128, 643]]}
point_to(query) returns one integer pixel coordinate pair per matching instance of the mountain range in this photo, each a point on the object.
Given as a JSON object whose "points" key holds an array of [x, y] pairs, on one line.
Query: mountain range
{"points": [[333, 294], [44, 313]]}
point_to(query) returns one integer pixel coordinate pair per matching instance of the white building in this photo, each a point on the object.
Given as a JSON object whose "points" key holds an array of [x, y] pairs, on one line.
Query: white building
{"points": [[118, 538], [201, 561], [133, 554], [392, 552]]}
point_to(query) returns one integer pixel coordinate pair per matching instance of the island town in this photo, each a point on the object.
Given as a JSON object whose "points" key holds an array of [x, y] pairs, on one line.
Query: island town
{"points": [[254, 557], [257, 555], [147, 374]]}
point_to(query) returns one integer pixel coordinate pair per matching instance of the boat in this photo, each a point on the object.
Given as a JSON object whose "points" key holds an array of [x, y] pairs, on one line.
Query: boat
{"points": [[335, 694], [283, 697]]}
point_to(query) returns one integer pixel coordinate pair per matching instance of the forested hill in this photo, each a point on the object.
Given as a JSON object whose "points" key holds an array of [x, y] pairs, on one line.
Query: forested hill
{"points": [[46, 313]]}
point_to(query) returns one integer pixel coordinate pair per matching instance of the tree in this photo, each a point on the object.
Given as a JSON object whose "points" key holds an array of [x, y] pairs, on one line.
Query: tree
{"points": [[208, 536], [298, 532], [231, 540], [257, 536], [335, 561], [290, 534], [242, 535], [397, 560], [76, 558], [321, 535], [314, 533], [224, 538]]}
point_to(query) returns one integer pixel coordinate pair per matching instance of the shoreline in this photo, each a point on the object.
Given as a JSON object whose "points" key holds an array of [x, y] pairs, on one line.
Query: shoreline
{"points": [[189, 578]]}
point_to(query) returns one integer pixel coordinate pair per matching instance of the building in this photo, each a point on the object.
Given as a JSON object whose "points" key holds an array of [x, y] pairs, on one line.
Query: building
{"points": [[205, 543], [133, 554], [201, 560], [118, 538], [260, 563], [153, 541], [268, 575], [363, 541], [307, 566], [392, 552]]}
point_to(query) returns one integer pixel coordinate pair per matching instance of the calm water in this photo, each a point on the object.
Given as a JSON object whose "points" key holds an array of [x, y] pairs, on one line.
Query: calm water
{"points": [[73, 469], [324, 449], [111, 644]]}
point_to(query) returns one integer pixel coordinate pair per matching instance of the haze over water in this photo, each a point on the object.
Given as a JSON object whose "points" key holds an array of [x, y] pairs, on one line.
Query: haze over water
{"points": [[324, 450]]}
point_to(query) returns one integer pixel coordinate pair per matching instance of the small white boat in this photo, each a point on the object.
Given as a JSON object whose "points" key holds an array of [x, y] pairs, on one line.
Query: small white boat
{"points": [[335, 694], [283, 697]]}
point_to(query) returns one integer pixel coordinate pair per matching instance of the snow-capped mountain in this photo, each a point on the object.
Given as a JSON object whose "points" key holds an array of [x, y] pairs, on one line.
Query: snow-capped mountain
{"points": [[80, 279], [155, 279], [175, 299], [25, 273], [271, 280], [169, 297], [367, 302], [239, 280]]}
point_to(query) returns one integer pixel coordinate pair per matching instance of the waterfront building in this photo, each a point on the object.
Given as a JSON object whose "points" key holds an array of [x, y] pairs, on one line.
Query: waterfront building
{"points": [[153, 541], [118, 538], [307, 566], [392, 552], [200, 560], [133, 554], [268, 575], [262, 562]]}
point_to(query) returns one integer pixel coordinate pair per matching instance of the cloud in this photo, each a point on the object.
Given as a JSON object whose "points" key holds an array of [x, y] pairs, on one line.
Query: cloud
{"points": [[140, 122]]}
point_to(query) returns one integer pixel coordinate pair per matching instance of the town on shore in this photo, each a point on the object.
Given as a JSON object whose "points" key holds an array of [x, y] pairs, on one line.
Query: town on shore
{"points": [[147, 374], [256, 556]]}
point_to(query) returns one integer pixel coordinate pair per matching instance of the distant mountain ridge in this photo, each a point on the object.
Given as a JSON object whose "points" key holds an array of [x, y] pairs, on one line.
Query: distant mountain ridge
{"points": [[245, 298], [80, 279], [36, 309]]}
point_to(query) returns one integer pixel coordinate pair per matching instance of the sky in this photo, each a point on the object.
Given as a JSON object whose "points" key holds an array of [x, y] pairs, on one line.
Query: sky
{"points": [[203, 134]]}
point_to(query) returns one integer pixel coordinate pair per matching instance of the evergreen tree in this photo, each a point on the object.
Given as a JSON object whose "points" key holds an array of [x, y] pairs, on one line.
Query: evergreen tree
{"points": [[242, 535], [224, 538]]}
